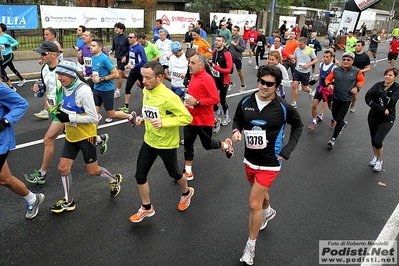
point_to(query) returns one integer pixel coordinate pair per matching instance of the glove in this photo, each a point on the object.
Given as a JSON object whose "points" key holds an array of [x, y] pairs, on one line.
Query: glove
{"points": [[132, 118], [7, 45], [312, 82], [62, 116], [3, 125]]}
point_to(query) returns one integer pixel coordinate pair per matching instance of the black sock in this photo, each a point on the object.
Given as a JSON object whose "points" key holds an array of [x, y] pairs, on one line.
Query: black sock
{"points": [[127, 105], [186, 194], [147, 206]]}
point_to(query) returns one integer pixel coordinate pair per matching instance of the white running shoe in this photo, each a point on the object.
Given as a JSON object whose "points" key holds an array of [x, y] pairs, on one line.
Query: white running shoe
{"points": [[43, 114], [21, 83], [242, 89], [378, 165], [267, 218], [117, 94], [108, 120], [250, 61], [256, 67], [372, 162], [248, 255]]}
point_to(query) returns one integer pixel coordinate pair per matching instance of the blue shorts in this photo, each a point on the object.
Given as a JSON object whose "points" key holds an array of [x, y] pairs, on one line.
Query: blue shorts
{"points": [[104, 97], [252, 47], [303, 78]]}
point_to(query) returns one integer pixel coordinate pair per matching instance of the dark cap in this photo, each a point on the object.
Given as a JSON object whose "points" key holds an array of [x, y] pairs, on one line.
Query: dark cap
{"points": [[47, 46], [196, 30], [275, 31]]}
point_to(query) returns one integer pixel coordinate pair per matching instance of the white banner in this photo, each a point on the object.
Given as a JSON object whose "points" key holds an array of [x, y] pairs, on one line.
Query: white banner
{"points": [[348, 21], [176, 22], [291, 21], [63, 17], [363, 4]]}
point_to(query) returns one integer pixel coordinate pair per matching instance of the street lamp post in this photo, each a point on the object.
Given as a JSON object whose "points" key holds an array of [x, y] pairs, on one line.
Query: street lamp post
{"points": [[391, 18]]}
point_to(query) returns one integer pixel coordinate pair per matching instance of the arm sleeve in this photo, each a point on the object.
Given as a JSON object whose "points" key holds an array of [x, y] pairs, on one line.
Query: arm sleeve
{"points": [[371, 94], [238, 120], [13, 102], [330, 77], [13, 42], [85, 98], [212, 93], [143, 59], [360, 79], [181, 116], [229, 63], [294, 120], [240, 45]]}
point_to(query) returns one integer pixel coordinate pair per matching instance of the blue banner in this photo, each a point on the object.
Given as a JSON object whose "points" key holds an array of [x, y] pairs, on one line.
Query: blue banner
{"points": [[19, 17]]}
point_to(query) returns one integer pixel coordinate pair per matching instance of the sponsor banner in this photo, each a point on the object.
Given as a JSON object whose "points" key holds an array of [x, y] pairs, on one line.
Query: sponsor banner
{"points": [[19, 17], [346, 252], [363, 4], [63, 17], [176, 22], [237, 19], [348, 21], [291, 21]]}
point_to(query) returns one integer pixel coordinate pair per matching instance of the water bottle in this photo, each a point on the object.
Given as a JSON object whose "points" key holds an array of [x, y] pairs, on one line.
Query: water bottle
{"points": [[40, 92]]}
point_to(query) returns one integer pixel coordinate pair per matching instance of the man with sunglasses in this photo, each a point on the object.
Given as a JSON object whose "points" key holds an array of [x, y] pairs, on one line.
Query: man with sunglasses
{"points": [[260, 120], [48, 51], [136, 59], [346, 80]]}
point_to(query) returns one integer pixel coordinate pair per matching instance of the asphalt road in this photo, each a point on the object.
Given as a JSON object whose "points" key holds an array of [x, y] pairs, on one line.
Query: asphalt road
{"points": [[320, 194]]}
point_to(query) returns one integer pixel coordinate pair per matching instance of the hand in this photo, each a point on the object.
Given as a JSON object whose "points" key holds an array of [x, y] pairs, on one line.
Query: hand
{"points": [[156, 122], [191, 101], [139, 120], [3, 125], [133, 118], [35, 88], [79, 53], [62, 116], [280, 158], [354, 91], [123, 59], [95, 79], [7, 45], [236, 136], [386, 112]]}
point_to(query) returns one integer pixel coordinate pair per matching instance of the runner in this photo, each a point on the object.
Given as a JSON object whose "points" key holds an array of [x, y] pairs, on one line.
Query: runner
{"points": [[374, 40], [236, 48], [362, 62]]}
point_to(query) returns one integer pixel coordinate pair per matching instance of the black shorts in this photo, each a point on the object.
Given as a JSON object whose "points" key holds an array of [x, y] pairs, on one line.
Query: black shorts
{"points": [[3, 158], [303, 78], [392, 56], [252, 47], [319, 96], [104, 97], [238, 64], [89, 151], [120, 65], [372, 50]]}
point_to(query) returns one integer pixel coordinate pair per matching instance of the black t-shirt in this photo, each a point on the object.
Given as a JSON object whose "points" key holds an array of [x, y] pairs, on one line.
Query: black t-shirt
{"points": [[361, 60]]}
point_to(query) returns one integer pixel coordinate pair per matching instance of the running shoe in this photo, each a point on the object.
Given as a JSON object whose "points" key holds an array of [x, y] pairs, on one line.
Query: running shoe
{"points": [[62, 205], [104, 145], [21, 83], [99, 117], [250, 61], [333, 122], [256, 67], [267, 218], [344, 126], [319, 117], [311, 94], [231, 85], [216, 126], [353, 109], [312, 126], [141, 214], [229, 151], [117, 94], [108, 120], [115, 187], [331, 143], [185, 201], [182, 142], [188, 176], [248, 254], [36, 177], [242, 89], [43, 114], [33, 209], [293, 104], [13, 88], [372, 162], [378, 165], [225, 121], [124, 109]]}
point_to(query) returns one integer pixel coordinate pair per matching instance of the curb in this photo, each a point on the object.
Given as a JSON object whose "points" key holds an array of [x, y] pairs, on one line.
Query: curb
{"points": [[27, 76]]}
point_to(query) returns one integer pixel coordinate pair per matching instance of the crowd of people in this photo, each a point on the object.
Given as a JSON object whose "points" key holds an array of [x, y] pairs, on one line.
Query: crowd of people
{"points": [[200, 78]]}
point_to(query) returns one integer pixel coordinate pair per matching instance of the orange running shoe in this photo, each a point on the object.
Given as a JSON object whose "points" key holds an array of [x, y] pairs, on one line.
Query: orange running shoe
{"points": [[141, 214], [185, 200]]}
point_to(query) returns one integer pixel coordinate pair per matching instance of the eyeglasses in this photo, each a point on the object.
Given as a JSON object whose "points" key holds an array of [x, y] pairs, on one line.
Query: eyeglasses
{"points": [[346, 59], [267, 83]]}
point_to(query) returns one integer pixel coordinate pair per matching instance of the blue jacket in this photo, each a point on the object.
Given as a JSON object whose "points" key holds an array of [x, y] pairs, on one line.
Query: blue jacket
{"points": [[12, 107]]}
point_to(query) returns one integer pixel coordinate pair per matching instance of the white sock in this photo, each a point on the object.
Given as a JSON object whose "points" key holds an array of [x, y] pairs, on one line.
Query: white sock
{"points": [[42, 172], [117, 89], [188, 168], [30, 198], [266, 211], [98, 139], [314, 120], [227, 113], [251, 242]]}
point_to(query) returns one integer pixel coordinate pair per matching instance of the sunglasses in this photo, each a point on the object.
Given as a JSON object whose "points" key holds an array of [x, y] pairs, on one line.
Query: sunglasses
{"points": [[131, 37], [346, 59], [267, 83], [47, 53]]}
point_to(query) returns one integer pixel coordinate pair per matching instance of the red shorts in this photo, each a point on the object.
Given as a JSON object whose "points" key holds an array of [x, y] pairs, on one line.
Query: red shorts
{"points": [[264, 178]]}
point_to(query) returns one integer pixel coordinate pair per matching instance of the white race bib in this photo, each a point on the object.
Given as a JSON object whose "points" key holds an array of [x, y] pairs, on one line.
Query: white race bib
{"points": [[311, 45], [150, 112], [251, 39], [51, 100], [215, 73], [255, 139], [131, 61], [195, 47], [260, 43], [2, 47], [188, 45], [87, 61]]}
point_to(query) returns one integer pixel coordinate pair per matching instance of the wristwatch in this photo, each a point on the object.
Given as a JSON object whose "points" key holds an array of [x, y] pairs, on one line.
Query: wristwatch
{"points": [[102, 79], [6, 121], [197, 102]]}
